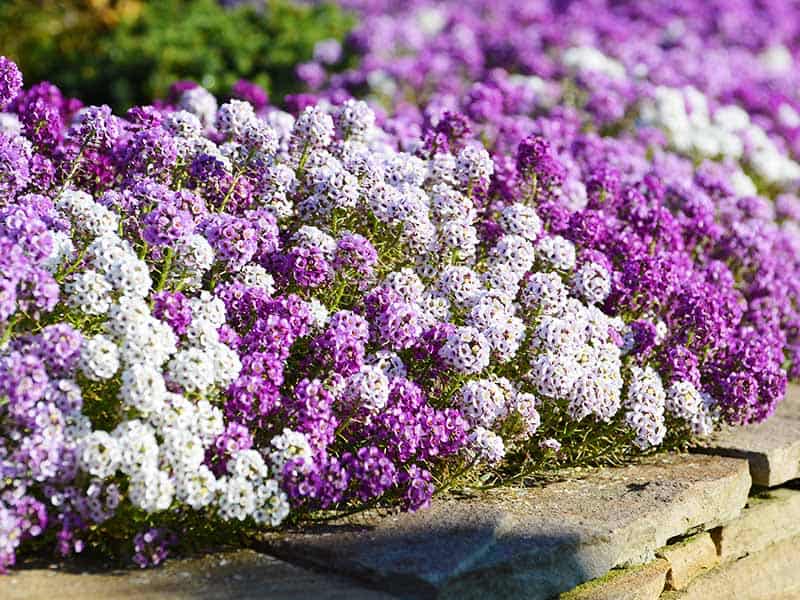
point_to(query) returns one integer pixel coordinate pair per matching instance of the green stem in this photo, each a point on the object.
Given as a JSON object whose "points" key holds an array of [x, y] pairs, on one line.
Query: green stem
{"points": [[162, 280], [72, 267], [8, 331], [230, 191], [236, 178], [343, 514], [303, 159], [343, 425], [74, 168], [456, 476], [338, 296]]}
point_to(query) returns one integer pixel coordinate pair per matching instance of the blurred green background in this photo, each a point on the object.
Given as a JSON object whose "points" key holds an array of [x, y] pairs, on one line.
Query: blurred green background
{"points": [[128, 52]]}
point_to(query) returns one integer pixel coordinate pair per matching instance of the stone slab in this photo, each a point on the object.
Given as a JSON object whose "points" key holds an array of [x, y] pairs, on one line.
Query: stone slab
{"points": [[770, 574], [642, 582], [688, 559], [772, 447], [243, 575], [529, 543], [768, 518]]}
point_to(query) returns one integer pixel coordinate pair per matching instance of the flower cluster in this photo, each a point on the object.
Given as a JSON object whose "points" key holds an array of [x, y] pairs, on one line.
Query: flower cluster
{"points": [[238, 315], [673, 175]]}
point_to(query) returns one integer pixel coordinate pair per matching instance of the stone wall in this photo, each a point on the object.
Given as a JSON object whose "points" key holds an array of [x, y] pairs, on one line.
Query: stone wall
{"points": [[723, 522], [755, 555]]}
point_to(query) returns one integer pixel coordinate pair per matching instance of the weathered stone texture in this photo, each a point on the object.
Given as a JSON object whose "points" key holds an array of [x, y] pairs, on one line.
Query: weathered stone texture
{"points": [[530, 543], [767, 519], [243, 575], [688, 559], [772, 447], [642, 582], [770, 574]]}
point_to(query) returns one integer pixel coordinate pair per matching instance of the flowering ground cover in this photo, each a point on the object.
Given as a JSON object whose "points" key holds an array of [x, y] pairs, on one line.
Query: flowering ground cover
{"points": [[224, 317]]}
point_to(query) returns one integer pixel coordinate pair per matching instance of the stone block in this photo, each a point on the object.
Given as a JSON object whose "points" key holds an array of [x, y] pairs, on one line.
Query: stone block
{"points": [[529, 543], [768, 518], [243, 575], [642, 582], [688, 559], [771, 447], [770, 574]]}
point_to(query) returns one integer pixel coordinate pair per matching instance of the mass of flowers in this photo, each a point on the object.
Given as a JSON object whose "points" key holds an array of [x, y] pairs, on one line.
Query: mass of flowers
{"points": [[546, 234]]}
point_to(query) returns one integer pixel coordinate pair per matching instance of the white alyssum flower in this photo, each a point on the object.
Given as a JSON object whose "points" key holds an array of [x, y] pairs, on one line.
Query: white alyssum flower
{"points": [[592, 282], [209, 421], [487, 445], [130, 276], [389, 362], [151, 490], [193, 258], [138, 446], [182, 449], [368, 389], [557, 252], [354, 118], [147, 341], [201, 103], [234, 117], [184, 124], [406, 283], [99, 454], [515, 251], [193, 369], [143, 388], [319, 313], [505, 336], [482, 402], [525, 404], [99, 358], [254, 275], [202, 333], [289, 445], [208, 307], [88, 217], [10, 124], [467, 351], [314, 127], [196, 487], [89, 292], [63, 251], [686, 402], [225, 363], [473, 164], [553, 374], [522, 220], [645, 401], [249, 492], [582, 59], [461, 284]]}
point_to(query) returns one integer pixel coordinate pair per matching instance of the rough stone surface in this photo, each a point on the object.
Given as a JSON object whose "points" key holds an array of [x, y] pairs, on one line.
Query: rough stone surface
{"points": [[772, 447], [688, 559], [530, 543], [242, 575], [772, 574], [642, 582], [768, 518]]}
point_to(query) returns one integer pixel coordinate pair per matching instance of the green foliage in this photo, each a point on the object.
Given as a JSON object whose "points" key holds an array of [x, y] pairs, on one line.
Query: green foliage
{"points": [[126, 52]]}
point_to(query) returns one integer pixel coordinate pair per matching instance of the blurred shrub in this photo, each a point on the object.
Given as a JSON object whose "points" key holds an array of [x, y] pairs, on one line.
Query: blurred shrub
{"points": [[125, 52]]}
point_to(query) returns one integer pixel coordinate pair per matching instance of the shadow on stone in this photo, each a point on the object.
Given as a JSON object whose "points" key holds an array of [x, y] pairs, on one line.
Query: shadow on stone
{"points": [[241, 575], [527, 543], [488, 560]]}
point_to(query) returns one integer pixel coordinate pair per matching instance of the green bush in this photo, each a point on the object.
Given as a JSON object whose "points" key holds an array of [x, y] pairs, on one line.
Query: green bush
{"points": [[126, 52]]}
